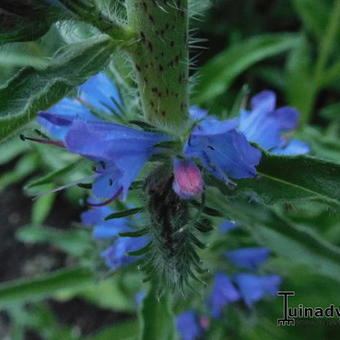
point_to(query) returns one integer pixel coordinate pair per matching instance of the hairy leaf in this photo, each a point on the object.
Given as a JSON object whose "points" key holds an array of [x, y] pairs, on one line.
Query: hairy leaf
{"points": [[28, 20], [32, 90], [287, 179]]}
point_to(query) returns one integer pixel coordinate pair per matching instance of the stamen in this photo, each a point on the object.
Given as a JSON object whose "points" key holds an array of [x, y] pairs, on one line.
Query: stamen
{"points": [[107, 201], [43, 141]]}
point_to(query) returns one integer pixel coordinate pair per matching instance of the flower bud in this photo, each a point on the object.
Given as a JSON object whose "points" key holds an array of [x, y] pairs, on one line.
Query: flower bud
{"points": [[188, 182]]}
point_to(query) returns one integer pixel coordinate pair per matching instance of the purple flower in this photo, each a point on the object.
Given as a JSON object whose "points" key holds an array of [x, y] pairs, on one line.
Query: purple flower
{"points": [[266, 125], [116, 255], [222, 150], [188, 182], [188, 325], [249, 258], [252, 287], [223, 293]]}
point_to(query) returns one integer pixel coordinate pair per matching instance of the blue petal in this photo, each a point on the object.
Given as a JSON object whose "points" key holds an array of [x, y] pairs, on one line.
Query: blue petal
{"points": [[124, 148], [227, 226], [104, 229], [293, 148], [68, 109], [249, 258], [266, 128], [223, 293], [188, 325], [265, 125], [264, 101], [98, 91], [223, 151], [117, 256], [197, 113], [253, 288], [108, 183]]}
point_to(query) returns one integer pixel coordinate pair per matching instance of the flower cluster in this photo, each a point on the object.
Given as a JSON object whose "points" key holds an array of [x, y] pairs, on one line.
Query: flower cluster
{"points": [[247, 287], [222, 147], [117, 254]]}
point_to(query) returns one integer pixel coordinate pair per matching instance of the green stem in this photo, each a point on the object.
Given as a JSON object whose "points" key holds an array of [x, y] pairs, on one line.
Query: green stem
{"points": [[325, 49], [161, 60], [156, 316]]}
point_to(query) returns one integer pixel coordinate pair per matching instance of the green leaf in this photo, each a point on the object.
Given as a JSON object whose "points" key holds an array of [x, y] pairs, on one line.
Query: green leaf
{"points": [[24, 167], [331, 75], [157, 321], [314, 15], [75, 242], [124, 213], [216, 76], [17, 60], [299, 244], [29, 20], [288, 178], [22, 291], [136, 233], [42, 207], [300, 84], [50, 177], [32, 90]]}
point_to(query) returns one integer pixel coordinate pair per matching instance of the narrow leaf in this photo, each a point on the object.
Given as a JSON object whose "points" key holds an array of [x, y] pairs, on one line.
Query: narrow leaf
{"points": [[217, 75], [123, 213], [22, 291], [301, 245]]}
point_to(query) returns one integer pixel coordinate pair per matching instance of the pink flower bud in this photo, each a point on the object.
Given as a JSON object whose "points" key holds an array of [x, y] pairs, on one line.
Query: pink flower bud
{"points": [[188, 181]]}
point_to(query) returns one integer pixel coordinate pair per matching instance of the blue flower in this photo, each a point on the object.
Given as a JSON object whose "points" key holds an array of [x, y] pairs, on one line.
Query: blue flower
{"points": [[223, 293], [223, 151], [97, 93], [249, 258], [116, 255], [104, 229], [266, 125], [227, 226], [123, 150], [253, 288], [188, 325], [120, 151]]}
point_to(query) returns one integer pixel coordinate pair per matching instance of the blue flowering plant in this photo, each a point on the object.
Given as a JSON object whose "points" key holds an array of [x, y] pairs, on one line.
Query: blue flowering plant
{"points": [[166, 159], [174, 189]]}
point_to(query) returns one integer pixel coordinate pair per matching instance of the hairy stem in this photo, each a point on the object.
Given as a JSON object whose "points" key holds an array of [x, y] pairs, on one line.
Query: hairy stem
{"points": [[161, 60]]}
